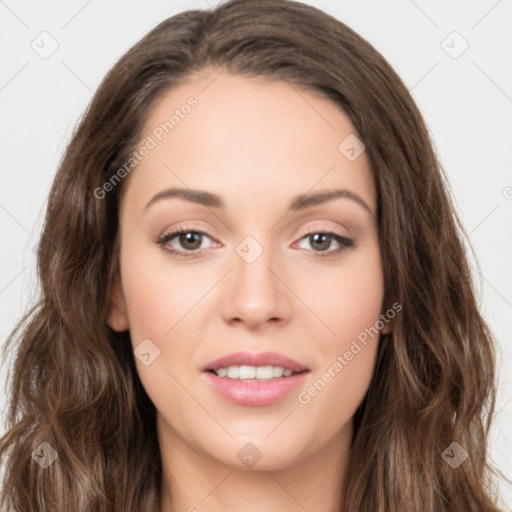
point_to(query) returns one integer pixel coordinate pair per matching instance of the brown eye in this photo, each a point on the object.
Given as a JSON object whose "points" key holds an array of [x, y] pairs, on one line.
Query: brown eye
{"points": [[189, 242], [321, 241]]}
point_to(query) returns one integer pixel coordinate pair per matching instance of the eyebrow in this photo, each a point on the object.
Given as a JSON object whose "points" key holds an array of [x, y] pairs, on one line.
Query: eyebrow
{"points": [[298, 203]]}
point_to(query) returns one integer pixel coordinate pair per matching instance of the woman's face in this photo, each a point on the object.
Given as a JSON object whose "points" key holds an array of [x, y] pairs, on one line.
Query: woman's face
{"points": [[264, 276]]}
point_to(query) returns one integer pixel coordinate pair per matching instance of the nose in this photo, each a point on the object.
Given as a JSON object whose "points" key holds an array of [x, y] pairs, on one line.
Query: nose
{"points": [[256, 293]]}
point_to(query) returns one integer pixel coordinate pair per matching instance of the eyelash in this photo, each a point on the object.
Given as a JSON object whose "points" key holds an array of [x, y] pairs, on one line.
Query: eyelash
{"points": [[345, 243]]}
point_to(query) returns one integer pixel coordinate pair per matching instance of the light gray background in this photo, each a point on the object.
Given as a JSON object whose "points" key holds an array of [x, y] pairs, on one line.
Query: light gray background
{"points": [[466, 100]]}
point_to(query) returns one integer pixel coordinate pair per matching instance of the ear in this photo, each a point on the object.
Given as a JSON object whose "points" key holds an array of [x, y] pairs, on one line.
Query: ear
{"points": [[117, 314], [387, 328], [388, 324]]}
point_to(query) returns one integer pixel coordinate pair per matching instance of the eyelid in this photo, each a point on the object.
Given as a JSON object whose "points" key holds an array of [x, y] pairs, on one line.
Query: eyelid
{"points": [[320, 229]]}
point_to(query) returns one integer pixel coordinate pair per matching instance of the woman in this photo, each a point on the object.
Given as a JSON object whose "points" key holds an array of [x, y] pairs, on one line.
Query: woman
{"points": [[317, 347]]}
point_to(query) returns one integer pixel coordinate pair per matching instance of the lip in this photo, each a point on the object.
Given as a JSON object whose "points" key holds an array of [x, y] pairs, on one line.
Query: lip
{"points": [[255, 393], [258, 359]]}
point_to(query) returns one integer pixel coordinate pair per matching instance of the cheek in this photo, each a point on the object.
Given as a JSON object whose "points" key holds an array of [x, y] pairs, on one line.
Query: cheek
{"points": [[348, 297], [349, 305], [158, 298], [157, 293]]}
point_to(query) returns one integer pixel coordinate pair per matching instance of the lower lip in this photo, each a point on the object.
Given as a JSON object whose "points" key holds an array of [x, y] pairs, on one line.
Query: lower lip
{"points": [[256, 392]]}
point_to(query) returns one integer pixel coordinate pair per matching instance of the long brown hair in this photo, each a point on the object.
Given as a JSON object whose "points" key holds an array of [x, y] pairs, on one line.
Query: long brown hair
{"points": [[73, 383]]}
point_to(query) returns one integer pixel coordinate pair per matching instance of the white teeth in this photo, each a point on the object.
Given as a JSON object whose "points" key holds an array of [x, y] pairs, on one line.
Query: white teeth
{"points": [[278, 371], [265, 372], [245, 372], [233, 372]]}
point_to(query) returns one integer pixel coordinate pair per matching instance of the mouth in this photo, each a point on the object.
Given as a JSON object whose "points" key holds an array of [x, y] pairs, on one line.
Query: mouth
{"points": [[259, 366], [255, 379]]}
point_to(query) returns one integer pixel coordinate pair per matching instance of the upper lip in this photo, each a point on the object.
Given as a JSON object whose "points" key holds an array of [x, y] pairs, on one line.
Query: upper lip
{"points": [[259, 359]]}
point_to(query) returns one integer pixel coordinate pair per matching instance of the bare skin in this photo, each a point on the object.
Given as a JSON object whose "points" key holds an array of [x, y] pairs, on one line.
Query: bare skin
{"points": [[257, 144]]}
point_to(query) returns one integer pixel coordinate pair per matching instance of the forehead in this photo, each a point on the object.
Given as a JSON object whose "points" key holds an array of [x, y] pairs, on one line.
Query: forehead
{"points": [[246, 137]]}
